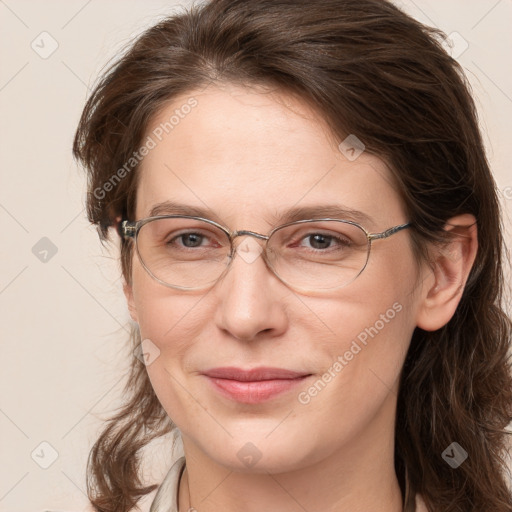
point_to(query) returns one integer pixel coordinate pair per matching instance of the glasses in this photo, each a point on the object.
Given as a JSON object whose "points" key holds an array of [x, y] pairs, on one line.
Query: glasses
{"points": [[192, 253]]}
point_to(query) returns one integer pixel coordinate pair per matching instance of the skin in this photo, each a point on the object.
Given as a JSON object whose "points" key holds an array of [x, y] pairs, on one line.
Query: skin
{"points": [[245, 154]]}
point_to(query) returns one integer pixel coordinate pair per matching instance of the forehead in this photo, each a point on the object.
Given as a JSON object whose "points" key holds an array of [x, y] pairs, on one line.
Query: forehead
{"points": [[245, 154]]}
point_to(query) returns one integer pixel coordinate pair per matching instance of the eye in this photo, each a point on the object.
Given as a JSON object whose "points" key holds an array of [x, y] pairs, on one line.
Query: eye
{"points": [[190, 240], [321, 240]]}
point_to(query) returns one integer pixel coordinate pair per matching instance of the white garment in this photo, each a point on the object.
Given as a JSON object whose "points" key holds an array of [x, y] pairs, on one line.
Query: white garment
{"points": [[166, 498]]}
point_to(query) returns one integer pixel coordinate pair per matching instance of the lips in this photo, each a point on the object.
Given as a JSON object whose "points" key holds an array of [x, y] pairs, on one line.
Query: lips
{"points": [[254, 374], [255, 385]]}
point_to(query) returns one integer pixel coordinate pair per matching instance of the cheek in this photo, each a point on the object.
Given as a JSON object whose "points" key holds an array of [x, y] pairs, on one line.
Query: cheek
{"points": [[164, 314], [361, 365], [367, 329], [359, 361], [371, 335], [169, 323]]}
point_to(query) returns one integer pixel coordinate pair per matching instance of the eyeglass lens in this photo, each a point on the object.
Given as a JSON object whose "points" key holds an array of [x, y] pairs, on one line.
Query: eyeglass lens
{"points": [[190, 253]]}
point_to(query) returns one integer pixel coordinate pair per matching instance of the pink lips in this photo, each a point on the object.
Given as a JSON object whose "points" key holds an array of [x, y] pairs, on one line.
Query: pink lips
{"points": [[255, 385]]}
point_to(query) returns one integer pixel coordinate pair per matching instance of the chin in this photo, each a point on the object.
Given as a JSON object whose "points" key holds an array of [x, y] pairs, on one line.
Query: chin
{"points": [[257, 454]]}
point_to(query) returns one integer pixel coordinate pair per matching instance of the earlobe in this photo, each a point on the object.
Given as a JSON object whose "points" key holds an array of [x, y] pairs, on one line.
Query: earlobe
{"points": [[128, 293], [450, 270]]}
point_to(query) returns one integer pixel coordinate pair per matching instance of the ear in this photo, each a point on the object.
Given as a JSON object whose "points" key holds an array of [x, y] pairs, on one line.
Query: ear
{"points": [[451, 265], [128, 293]]}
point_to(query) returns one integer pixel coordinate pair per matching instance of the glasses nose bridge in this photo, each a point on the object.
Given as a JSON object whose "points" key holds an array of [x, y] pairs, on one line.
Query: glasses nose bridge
{"points": [[245, 232], [256, 252]]}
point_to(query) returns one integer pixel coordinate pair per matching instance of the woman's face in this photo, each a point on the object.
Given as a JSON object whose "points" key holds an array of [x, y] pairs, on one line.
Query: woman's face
{"points": [[246, 157]]}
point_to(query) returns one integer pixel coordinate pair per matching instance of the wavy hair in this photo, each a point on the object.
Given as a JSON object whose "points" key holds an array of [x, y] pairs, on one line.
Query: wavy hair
{"points": [[373, 71]]}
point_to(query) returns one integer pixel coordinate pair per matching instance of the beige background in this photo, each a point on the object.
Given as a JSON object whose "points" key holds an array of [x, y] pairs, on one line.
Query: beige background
{"points": [[64, 321]]}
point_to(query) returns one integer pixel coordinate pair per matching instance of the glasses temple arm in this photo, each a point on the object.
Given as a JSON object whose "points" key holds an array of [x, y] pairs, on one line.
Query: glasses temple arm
{"points": [[389, 232]]}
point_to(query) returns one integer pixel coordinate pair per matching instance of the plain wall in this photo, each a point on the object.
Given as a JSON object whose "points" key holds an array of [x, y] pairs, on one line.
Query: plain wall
{"points": [[64, 321]]}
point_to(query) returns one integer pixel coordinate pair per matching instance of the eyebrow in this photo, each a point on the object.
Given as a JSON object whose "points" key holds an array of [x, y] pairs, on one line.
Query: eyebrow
{"points": [[334, 211]]}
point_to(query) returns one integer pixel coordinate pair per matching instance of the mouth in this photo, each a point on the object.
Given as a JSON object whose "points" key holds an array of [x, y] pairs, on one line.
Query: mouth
{"points": [[255, 385]]}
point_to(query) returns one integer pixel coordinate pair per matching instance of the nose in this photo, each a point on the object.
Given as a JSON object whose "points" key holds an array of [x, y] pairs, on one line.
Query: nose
{"points": [[250, 297]]}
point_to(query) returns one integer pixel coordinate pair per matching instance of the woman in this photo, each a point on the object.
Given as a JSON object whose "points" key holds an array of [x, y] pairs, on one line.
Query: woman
{"points": [[312, 254]]}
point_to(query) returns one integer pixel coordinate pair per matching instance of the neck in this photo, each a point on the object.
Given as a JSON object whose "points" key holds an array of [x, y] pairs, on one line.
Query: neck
{"points": [[360, 475]]}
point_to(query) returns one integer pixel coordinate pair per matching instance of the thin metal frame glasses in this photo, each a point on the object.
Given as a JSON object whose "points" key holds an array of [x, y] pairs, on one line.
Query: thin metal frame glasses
{"points": [[313, 267]]}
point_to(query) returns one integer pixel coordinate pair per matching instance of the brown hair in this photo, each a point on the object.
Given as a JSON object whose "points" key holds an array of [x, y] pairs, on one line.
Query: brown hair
{"points": [[373, 71]]}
